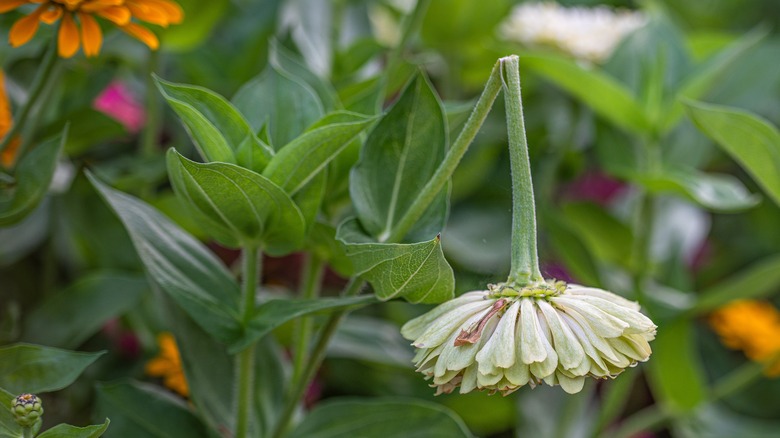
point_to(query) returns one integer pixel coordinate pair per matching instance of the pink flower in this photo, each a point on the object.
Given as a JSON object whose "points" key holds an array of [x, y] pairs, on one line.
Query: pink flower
{"points": [[117, 102], [596, 187]]}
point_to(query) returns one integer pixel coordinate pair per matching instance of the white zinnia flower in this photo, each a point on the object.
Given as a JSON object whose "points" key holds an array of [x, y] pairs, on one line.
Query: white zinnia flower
{"points": [[503, 338], [587, 33]]}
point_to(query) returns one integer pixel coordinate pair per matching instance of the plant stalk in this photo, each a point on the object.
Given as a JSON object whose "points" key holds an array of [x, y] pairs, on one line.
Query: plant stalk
{"points": [[313, 364], [447, 167], [153, 110], [27, 432], [42, 78], [525, 259], [314, 269], [245, 361]]}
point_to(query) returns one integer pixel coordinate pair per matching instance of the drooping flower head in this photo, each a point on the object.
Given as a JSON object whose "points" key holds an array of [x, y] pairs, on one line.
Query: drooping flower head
{"points": [[753, 327], [589, 34], [504, 338], [75, 13]]}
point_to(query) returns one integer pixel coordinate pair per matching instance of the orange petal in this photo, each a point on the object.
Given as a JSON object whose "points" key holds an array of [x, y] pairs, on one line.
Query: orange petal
{"points": [[143, 34], [120, 15], [174, 11], [6, 119], [25, 28], [91, 35], [68, 41], [51, 15], [149, 14], [9, 5]]}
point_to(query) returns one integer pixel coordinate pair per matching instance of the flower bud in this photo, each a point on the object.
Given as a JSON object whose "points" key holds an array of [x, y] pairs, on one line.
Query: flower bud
{"points": [[504, 338], [27, 410]]}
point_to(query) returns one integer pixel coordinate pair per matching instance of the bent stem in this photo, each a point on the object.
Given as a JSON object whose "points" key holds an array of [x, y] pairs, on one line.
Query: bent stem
{"points": [[42, 78], [315, 360], [447, 167], [245, 361], [525, 260]]}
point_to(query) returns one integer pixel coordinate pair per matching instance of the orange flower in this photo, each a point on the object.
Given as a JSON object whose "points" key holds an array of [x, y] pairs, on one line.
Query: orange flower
{"points": [[71, 12], [8, 156], [753, 327], [167, 365]]}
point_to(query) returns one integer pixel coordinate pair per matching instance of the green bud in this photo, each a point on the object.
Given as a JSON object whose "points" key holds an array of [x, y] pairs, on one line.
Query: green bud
{"points": [[27, 410]]}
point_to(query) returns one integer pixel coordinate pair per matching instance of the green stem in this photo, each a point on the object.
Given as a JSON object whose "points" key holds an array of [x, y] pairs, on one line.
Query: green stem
{"points": [[313, 364], [39, 83], [27, 432], [245, 361], [643, 224], [525, 260], [314, 268], [153, 110], [447, 167]]}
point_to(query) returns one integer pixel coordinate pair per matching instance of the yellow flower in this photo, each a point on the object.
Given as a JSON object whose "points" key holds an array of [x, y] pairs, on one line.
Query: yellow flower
{"points": [[167, 365], [753, 327], [8, 156], [119, 12]]}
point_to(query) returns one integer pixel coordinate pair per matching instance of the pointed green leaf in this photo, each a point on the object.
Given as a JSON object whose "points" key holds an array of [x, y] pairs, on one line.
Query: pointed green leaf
{"points": [[34, 368], [309, 198], [303, 158], [382, 418], [66, 319], [8, 426], [716, 192], [399, 157], [33, 176], [217, 128], [274, 313], [285, 104], [749, 139], [602, 93], [417, 272], [68, 431], [179, 264], [236, 205], [284, 60], [139, 410]]}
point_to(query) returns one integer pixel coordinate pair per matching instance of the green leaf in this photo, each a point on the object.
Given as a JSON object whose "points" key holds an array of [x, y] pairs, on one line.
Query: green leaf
{"points": [[371, 339], [708, 73], [284, 60], [179, 264], [281, 102], [679, 388], [323, 244], [274, 313], [68, 318], [33, 368], [606, 96], [399, 157], [303, 158], [68, 431], [238, 206], [215, 125], [33, 176], [138, 410], [381, 417], [309, 199], [716, 192], [417, 272], [750, 140], [8, 426], [759, 280]]}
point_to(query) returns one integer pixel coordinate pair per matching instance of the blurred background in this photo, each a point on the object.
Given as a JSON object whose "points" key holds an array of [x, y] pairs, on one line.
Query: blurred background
{"points": [[709, 233]]}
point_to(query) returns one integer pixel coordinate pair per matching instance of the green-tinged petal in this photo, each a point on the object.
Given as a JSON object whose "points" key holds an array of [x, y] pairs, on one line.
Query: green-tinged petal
{"points": [[570, 385], [500, 349], [545, 368], [637, 322], [532, 348], [415, 328], [575, 289], [443, 327], [570, 352], [604, 324], [595, 363]]}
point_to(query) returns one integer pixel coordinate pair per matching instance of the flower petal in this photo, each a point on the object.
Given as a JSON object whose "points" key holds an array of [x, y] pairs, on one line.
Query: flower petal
{"points": [[570, 352], [443, 327], [90, 35], [119, 15], [532, 348], [142, 34], [68, 38], [25, 28], [546, 367], [414, 328], [570, 385], [500, 349], [9, 5]]}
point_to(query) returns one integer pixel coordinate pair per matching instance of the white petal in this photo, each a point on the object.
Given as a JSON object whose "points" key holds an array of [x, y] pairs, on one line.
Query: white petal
{"points": [[547, 367], [459, 357], [532, 349], [415, 327], [575, 289], [606, 325], [519, 373], [469, 382], [637, 322], [485, 381], [445, 325], [570, 352], [590, 350], [570, 385], [499, 350]]}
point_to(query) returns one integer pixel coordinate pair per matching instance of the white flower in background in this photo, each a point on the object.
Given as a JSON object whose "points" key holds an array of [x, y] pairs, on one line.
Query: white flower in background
{"points": [[587, 33], [503, 338]]}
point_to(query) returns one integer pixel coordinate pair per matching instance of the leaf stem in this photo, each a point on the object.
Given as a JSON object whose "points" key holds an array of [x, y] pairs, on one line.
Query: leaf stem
{"points": [[245, 361], [43, 77], [525, 259], [313, 270], [313, 364], [451, 160]]}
